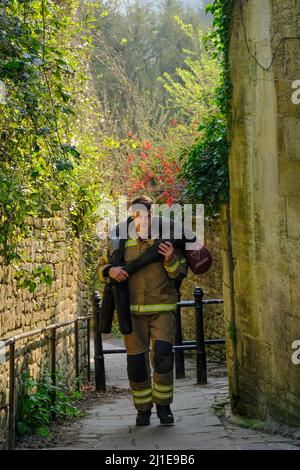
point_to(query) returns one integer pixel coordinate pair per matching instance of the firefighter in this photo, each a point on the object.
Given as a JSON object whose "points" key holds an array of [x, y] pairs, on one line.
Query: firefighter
{"points": [[153, 298]]}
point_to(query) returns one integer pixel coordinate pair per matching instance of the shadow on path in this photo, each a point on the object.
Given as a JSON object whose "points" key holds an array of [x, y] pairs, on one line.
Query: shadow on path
{"points": [[111, 425]]}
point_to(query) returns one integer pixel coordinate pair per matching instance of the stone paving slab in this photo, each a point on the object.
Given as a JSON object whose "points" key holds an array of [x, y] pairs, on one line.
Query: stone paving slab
{"points": [[111, 426]]}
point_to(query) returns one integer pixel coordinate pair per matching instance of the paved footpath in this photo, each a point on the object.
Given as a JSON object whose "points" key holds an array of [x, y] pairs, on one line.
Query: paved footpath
{"points": [[111, 426]]}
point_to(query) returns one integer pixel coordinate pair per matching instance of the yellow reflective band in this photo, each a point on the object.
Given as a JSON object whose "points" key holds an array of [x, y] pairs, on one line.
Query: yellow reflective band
{"points": [[172, 269], [152, 307], [105, 256], [141, 401], [162, 395], [141, 393], [163, 388], [182, 261], [101, 277], [130, 243], [100, 272]]}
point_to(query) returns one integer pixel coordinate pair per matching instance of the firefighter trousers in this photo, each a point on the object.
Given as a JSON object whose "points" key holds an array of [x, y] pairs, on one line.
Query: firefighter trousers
{"points": [[158, 332]]}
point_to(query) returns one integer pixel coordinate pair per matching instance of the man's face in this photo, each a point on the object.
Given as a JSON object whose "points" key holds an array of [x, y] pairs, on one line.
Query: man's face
{"points": [[142, 222]]}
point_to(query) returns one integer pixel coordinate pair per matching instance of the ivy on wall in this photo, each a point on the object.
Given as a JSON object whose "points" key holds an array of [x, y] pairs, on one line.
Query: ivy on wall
{"points": [[205, 164], [44, 48]]}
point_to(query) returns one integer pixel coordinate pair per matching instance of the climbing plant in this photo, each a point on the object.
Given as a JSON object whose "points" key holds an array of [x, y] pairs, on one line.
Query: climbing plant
{"points": [[205, 163], [48, 160]]}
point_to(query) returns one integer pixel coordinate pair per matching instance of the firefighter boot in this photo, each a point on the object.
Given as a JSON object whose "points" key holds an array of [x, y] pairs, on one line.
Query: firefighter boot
{"points": [[165, 414], [143, 418]]}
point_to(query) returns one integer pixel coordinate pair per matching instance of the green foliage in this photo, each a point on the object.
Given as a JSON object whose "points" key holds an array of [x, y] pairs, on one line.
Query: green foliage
{"points": [[30, 280], [206, 169], [134, 46], [35, 161], [115, 330], [191, 92], [205, 164], [40, 403], [219, 38], [60, 149], [49, 156]]}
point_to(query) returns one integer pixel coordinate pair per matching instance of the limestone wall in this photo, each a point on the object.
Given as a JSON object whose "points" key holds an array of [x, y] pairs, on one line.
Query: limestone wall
{"points": [[262, 297], [22, 311]]}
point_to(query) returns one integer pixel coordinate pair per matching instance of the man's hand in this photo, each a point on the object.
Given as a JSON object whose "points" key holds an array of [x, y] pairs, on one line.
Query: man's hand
{"points": [[118, 273], [166, 249]]}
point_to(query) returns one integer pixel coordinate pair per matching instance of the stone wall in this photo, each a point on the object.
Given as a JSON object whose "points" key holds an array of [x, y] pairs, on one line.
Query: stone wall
{"points": [[22, 311], [211, 284], [262, 273]]}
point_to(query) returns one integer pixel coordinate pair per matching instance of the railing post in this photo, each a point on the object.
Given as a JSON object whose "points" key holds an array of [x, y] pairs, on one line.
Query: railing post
{"points": [[179, 354], [77, 354], [200, 345], [12, 411], [99, 356], [88, 335], [53, 356]]}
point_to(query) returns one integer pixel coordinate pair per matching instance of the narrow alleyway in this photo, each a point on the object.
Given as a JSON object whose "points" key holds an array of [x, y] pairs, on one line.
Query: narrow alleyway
{"points": [[111, 426]]}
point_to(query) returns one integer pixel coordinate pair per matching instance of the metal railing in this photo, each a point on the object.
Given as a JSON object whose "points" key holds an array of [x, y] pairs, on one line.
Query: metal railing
{"points": [[180, 346], [11, 343], [198, 345]]}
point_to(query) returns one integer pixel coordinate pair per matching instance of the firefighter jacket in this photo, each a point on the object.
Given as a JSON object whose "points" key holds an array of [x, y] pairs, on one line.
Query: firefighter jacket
{"points": [[152, 288]]}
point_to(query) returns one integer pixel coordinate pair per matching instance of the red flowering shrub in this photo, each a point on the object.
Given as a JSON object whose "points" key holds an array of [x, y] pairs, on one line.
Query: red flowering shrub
{"points": [[151, 171]]}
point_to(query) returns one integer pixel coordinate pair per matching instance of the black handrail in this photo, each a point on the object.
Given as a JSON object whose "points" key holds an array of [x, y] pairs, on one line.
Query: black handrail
{"points": [[180, 346], [11, 342]]}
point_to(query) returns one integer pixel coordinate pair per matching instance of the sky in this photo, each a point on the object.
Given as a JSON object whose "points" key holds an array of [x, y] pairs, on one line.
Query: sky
{"points": [[195, 3]]}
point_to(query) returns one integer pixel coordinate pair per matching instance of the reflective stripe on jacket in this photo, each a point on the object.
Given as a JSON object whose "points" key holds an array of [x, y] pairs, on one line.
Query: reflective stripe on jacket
{"points": [[152, 288]]}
